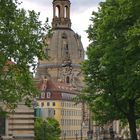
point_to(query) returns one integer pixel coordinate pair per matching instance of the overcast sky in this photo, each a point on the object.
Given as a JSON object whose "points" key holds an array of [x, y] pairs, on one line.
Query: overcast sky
{"points": [[80, 13]]}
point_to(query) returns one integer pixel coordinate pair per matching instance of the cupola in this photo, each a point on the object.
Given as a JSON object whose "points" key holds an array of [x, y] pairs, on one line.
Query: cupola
{"points": [[61, 14]]}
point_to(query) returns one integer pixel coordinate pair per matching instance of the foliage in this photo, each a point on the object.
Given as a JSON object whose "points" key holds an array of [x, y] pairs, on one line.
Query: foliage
{"points": [[21, 35], [112, 70], [47, 130]]}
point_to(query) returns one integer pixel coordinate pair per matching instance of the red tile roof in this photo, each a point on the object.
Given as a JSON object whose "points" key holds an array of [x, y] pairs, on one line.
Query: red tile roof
{"points": [[55, 88]]}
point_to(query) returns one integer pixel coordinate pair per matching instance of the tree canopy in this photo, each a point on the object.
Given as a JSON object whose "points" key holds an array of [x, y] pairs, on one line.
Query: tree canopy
{"points": [[47, 129], [21, 35], [112, 68]]}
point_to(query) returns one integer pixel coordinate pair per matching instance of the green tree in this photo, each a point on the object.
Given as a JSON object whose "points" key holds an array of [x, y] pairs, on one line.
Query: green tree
{"points": [[47, 130], [112, 69], [21, 35]]}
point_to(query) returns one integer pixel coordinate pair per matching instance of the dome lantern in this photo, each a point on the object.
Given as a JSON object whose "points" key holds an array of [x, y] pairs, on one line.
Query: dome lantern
{"points": [[61, 14]]}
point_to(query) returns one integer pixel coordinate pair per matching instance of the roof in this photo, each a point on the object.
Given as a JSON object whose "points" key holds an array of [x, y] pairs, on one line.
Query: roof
{"points": [[55, 88], [59, 86]]}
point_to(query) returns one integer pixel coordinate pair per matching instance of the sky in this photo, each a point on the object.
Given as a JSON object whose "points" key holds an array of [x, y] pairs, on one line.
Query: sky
{"points": [[81, 11]]}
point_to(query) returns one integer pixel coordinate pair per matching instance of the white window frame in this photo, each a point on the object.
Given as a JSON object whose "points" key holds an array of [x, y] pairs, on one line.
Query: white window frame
{"points": [[48, 95]]}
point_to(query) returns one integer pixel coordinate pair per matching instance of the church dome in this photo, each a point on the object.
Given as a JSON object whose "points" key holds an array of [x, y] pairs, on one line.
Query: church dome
{"points": [[63, 46], [65, 43]]}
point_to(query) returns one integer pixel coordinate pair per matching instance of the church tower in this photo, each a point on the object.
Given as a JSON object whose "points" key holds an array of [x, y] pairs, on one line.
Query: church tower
{"points": [[63, 47]]}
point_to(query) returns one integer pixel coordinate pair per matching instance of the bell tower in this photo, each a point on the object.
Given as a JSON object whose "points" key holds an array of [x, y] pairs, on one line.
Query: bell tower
{"points": [[61, 14]]}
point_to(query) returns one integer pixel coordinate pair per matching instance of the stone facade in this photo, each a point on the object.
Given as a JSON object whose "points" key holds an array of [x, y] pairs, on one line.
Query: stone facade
{"points": [[64, 48], [19, 124]]}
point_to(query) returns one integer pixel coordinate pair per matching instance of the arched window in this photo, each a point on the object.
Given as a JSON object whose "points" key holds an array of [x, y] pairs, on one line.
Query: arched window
{"points": [[68, 79], [66, 12], [57, 11], [42, 95], [48, 95]]}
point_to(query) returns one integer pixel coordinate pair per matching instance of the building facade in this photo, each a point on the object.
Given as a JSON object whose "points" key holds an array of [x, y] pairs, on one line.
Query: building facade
{"points": [[18, 125], [57, 101], [60, 78]]}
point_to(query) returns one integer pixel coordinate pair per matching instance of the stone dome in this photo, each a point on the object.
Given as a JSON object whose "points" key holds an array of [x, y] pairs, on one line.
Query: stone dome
{"points": [[64, 48], [65, 43]]}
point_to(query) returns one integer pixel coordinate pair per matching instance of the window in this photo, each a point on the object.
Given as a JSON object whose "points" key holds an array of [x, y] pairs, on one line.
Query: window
{"points": [[38, 112], [48, 95], [42, 104], [66, 49], [57, 11], [53, 104], [48, 103], [42, 95], [66, 12]]}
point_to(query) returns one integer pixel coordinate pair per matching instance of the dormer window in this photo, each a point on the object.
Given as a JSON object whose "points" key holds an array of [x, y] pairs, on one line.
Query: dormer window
{"points": [[48, 95], [42, 95]]}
